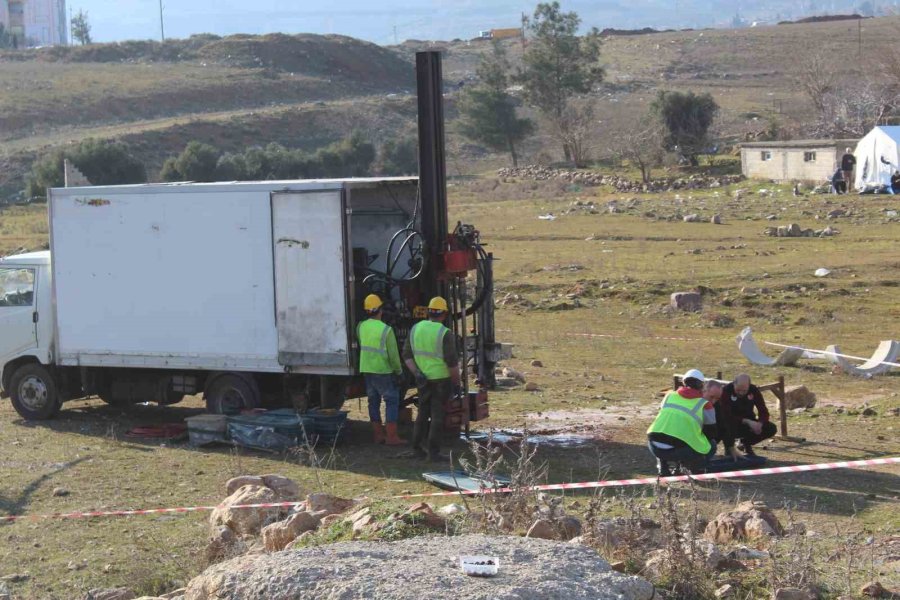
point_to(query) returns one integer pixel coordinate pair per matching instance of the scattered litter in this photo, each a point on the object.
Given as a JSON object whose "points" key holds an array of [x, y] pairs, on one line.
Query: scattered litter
{"points": [[480, 566], [554, 440], [547, 217], [166, 431], [822, 272]]}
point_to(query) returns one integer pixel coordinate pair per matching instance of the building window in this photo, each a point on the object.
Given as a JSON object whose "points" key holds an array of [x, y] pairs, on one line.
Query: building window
{"points": [[809, 157], [765, 155]]}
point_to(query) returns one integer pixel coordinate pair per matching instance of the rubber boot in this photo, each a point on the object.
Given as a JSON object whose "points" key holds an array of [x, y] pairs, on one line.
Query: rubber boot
{"points": [[663, 469], [392, 438], [377, 432]]}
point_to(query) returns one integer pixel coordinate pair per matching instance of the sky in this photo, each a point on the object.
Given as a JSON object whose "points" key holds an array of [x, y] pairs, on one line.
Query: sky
{"points": [[376, 20]]}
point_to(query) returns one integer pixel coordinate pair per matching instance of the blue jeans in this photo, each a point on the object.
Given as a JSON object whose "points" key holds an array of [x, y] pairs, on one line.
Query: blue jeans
{"points": [[383, 386], [686, 455]]}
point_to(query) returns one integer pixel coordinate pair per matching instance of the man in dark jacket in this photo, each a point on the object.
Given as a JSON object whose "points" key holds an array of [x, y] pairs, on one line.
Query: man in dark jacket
{"points": [[742, 413], [848, 164]]}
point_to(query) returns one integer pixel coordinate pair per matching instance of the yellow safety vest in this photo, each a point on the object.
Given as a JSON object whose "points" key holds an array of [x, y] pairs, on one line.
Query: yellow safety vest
{"points": [[427, 341], [682, 418]]}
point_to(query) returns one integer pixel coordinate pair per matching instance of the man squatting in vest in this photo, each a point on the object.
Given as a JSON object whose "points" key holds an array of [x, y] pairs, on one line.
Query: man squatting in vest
{"points": [[379, 362], [430, 353], [684, 430]]}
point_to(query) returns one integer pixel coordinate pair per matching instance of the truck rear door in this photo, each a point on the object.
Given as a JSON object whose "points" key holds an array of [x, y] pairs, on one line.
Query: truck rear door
{"points": [[311, 278]]}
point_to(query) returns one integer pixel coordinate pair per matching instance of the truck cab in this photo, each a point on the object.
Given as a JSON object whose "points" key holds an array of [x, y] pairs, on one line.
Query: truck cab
{"points": [[26, 320]]}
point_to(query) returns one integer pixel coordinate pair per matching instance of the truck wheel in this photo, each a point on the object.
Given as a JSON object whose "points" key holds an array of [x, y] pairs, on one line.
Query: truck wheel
{"points": [[33, 393], [229, 394]]}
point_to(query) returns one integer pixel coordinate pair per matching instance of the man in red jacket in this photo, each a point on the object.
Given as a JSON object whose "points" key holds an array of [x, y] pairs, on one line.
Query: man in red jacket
{"points": [[742, 413]]}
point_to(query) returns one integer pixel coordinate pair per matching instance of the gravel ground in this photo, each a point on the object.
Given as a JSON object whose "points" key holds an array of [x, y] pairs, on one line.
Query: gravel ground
{"points": [[420, 568]]}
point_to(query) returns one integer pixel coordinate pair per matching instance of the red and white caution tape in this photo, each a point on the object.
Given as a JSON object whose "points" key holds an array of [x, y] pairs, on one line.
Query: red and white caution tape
{"points": [[855, 464], [648, 337]]}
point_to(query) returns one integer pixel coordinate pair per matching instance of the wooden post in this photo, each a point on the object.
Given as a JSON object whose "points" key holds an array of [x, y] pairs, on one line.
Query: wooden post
{"points": [[782, 405]]}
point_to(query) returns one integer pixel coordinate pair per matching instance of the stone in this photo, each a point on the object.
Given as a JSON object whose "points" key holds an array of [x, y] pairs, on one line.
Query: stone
{"points": [[750, 520], [423, 514], [726, 591], [222, 544], [793, 594], [246, 521], [513, 374], [543, 529], [331, 504], [537, 363], [618, 566], [869, 412], [174, 594], [686, 301], [873, 589], [300, 541], [286, 489], [278, 535], [16, 577], [110, 594], [716, 220], [451, 509], [798, 396], [236, 483], [569, 528], [329, 520], [60, 492], [532, 387], [417, 568], [692, 218]]}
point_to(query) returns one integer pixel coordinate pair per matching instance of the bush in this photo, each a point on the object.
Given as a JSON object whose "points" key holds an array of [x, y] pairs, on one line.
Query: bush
{"points": [[398, 157], [102, 162], [196, 163]]}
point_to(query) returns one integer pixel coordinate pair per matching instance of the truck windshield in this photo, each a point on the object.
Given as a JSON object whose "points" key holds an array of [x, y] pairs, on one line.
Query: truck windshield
{"points": [[16, 287]]}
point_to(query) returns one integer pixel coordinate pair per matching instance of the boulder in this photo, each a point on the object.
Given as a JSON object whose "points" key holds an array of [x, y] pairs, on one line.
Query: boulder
{"points": [[512, 373], [569, 528], [794, 230], [110, 594], [329, 520], [174, 594], [286, 489], [793, 594], [419, 568], [716, 220], [236, 483], [798, 396], [532, 387], [537, 363], [543, 529], [692, 218], [223, 543], [422, 514], [299, 542], [750, 520], [246, 521], [278, 535], [873, 589], [326, 502], [686, 301]]}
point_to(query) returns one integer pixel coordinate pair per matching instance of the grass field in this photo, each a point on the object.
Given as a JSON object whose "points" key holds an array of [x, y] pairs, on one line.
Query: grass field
{"points": [[619, 270]]}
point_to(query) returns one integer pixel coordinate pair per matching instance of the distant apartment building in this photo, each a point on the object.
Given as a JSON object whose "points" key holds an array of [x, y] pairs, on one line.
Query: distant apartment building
{"points": [[35, 22]]}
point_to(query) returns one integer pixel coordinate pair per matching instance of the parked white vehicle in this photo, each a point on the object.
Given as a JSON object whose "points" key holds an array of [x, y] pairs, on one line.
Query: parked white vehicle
{"points": [[246, 292]]}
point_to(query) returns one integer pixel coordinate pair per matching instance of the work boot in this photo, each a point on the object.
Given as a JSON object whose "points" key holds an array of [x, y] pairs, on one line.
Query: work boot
{"points": [[663, 469], [392, 438], [377, 432], [748, 450]]}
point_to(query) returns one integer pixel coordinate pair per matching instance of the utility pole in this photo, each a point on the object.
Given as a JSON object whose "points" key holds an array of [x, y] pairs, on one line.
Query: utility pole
{"points": [[859, 29], [162, 24]]}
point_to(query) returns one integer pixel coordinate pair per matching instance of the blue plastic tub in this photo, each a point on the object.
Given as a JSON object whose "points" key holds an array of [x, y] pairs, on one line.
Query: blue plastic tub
{"points": [[271, 430], [328, 426]]}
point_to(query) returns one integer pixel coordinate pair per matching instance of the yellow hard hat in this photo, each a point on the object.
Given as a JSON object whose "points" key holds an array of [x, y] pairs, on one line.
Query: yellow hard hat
{"points": [[438, 304], [372, 303]]}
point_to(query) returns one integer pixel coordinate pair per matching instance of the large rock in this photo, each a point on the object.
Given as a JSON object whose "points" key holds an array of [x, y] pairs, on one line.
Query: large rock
{"points": [[223, 543], [246, 521], [420, 568], [423, 514], [286, 489], [750, 520], [278, 535], [687, 301], [331, 505], [543, 529], [798, 396], [793, 594]]}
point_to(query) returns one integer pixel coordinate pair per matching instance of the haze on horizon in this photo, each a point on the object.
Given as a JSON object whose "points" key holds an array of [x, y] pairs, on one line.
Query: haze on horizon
{"points": [[389, 20]]}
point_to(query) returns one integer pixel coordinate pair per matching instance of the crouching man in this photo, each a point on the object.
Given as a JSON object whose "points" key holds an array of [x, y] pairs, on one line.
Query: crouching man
{"points": [[680, 434], [743, 415]]}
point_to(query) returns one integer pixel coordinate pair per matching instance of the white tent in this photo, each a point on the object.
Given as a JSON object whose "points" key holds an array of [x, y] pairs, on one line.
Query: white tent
{"points": [[877, 157]]}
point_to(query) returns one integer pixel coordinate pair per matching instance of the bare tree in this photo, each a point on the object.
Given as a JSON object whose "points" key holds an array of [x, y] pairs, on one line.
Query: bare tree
{"points": [[641, 144], [575, 129], [818, 78]]}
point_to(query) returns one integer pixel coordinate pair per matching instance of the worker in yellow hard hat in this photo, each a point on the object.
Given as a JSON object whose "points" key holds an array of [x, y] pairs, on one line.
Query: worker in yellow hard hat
{"points": [[430, 353], [379, 362]]}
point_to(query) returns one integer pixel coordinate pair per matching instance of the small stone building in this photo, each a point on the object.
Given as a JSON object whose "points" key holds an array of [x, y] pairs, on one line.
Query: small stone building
{"points": [[797, 160]]}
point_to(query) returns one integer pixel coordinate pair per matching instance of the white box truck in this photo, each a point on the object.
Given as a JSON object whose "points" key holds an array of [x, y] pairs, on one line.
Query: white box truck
{"points": [[246, 292]]}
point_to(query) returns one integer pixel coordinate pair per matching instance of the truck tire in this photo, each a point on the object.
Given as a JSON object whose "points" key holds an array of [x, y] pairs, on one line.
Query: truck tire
{"points": [[33, 392], [229, 394]]}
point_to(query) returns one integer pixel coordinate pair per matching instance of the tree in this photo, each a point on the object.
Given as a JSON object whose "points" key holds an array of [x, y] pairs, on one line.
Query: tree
{"points": [[489, 112], [818, 78], [558, 64], [102, 162], [641, 144], [81, 28], [686, 118], [197, 162], [398, 157]]}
